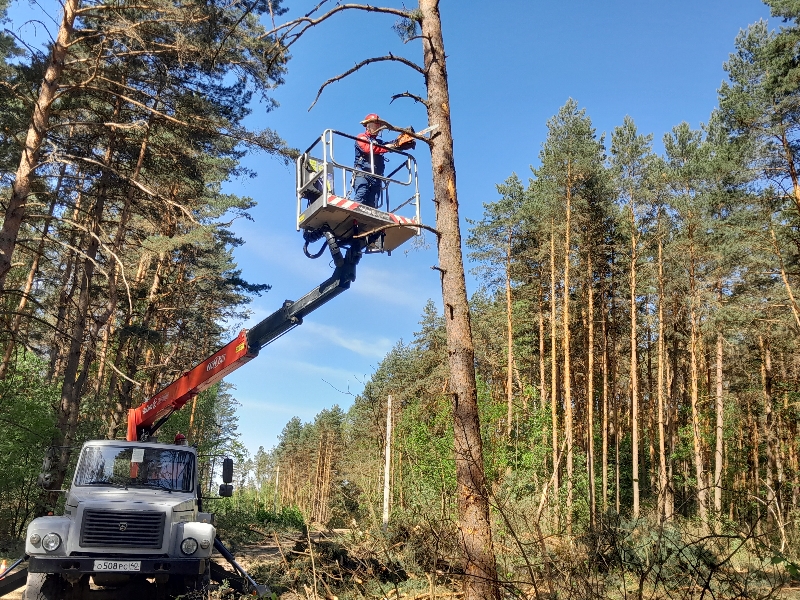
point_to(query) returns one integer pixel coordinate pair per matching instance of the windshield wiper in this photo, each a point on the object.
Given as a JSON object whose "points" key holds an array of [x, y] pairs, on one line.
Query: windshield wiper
{"points": [[153, 484], [115, 484]]}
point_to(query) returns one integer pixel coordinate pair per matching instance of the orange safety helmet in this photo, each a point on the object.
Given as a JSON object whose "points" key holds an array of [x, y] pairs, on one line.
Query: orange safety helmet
{"points": [[372, 118]]}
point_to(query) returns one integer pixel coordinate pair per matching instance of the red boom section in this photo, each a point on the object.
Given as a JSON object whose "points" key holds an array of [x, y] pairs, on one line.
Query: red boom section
{"points": [[188, 385]]}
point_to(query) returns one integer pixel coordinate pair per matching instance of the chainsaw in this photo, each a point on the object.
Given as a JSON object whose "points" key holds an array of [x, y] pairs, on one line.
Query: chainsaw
{"points": [[407, 141]]}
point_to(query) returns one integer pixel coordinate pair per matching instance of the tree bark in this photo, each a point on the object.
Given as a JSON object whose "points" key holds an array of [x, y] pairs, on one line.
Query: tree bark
{"points": [[542, 373], [662, 453], [387, 463], [695, 398], [769, 425], [510, 326], [568, 425], [40, 120], [720, 433], [34, 270], [605, 409], [792, 300], [79, 352], [634, 370], [590, 395], [553, 358], [480, 568], [617, 430], [66, 291]]}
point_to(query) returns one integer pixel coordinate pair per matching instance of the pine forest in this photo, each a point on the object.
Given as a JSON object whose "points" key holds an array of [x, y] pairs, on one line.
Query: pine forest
{"points": [[635, 329]]}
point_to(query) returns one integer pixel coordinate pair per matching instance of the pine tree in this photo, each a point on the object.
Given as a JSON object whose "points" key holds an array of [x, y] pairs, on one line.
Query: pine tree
{"points": [[632, 160], [494, 241], [571, 164], [124, 59]]}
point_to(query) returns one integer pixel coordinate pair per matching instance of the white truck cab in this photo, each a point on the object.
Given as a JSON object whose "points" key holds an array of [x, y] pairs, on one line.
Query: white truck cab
{"points": [[132, 514]]}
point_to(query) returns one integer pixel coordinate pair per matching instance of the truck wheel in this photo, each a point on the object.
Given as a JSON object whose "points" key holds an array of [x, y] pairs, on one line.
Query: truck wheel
{"points": [[44, 586], [185, 588], [198, 588], [47, 586]]}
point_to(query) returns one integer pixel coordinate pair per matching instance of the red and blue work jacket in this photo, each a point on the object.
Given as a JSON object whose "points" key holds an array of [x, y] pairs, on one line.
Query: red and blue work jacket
{"points": [[363, 160]]}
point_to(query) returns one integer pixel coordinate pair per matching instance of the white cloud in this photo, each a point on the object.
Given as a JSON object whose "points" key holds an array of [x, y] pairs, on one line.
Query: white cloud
{"points": [[280, 254], [276, 408], [398, 287], [340, 378], [370, 348]]}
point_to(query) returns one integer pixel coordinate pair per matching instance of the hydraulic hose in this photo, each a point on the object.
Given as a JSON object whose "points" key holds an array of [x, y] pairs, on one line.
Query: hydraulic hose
{"points": [[317, 254], [314, 236]]}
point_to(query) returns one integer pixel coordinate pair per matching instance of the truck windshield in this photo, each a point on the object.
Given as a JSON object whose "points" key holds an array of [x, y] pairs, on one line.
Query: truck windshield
{"points": [[118, 466]]}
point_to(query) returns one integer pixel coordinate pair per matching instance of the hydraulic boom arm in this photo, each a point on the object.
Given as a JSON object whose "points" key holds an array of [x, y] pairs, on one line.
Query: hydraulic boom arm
{"points": [[144, 420]]}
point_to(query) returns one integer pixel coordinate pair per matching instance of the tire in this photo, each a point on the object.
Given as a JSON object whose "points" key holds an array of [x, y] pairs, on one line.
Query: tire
{"points": [[199, 587], [185, 588], [44, 586], [49, 586]]}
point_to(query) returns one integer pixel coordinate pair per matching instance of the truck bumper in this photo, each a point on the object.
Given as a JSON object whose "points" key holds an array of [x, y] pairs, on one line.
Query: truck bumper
{"points": [[150, 566]]}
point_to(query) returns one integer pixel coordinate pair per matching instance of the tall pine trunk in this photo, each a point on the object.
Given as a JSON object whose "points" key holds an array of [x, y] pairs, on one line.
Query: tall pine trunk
{"points": [[606, 423], [67, 286], [720, 433], [510, 326], [769, 427], [542, 373], [80, 353], [32, 273], [590, 397], [40, 121], [480, 568], [553, 358], [634, 369], [662, 452], [695, 399], [568, 425]]}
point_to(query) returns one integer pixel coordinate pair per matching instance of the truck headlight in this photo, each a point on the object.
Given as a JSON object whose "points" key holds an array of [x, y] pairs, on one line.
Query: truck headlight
{"points": [[51, 541], [204, 544], [189, 546], [35, 539]]}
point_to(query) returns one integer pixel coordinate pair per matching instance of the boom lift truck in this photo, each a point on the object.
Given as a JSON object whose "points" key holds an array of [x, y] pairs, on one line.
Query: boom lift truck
{"points": [[134, 511]]}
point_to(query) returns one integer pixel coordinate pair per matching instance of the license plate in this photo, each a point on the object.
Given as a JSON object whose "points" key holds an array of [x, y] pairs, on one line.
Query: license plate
{"points": [[117, 565]]}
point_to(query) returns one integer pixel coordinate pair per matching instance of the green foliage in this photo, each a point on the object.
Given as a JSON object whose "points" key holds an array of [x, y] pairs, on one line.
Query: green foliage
{"points": [[405, 28], [495, 238], [27, 421], [8, 47], [244, 518], [214, 423]]}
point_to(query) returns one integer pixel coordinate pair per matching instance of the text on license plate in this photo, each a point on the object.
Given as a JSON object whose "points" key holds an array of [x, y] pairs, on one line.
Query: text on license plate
{"points": [[117, 565]]}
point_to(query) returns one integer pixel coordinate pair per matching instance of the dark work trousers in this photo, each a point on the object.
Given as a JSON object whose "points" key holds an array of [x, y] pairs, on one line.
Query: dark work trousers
{"points": [[367, 190]]}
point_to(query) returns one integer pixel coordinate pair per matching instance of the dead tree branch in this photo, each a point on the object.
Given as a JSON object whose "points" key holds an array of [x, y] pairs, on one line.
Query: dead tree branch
{"points": [[414, 97], [305, 22], [363, 63], [408, 131], [73, 159]]}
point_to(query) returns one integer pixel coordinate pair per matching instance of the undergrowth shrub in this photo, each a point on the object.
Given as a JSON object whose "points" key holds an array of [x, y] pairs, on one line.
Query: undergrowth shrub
{"points": [[242, 523]]}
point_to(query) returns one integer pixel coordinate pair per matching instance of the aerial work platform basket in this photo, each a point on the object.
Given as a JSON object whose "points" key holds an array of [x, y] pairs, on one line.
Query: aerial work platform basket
{"points": [[325, 196]]}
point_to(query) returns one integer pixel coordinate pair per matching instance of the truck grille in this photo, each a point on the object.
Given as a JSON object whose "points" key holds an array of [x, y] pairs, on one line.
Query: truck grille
{"points": [[122, 529]]}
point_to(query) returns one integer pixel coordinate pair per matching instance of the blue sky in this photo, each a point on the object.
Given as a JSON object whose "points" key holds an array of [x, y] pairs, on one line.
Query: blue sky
{"points": [[511, 65]]}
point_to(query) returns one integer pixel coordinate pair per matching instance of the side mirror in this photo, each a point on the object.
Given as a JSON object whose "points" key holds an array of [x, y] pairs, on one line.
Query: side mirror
{"points": [[227, 470], [226, 490]]}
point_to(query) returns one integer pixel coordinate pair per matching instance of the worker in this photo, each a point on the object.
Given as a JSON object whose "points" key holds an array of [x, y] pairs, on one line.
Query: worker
{"points": [[370, 150], [180, 439]]}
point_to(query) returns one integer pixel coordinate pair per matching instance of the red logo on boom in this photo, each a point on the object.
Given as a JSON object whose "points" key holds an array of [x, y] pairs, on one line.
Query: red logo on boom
{"points": [[215, 363]]}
